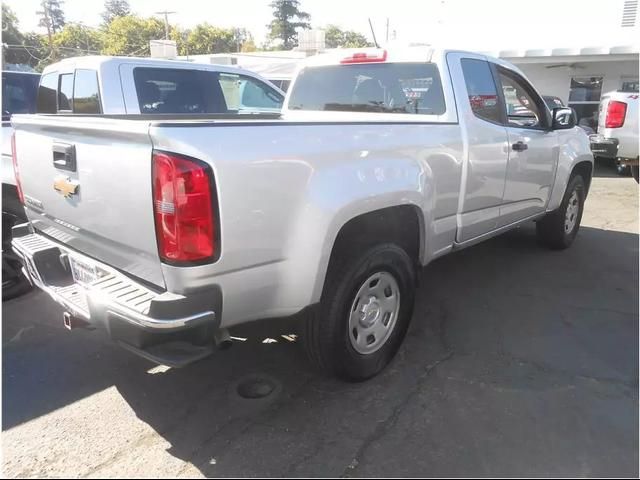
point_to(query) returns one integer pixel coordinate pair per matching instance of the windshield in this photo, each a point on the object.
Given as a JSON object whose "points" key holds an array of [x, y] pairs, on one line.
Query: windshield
{"points": [[18, 93], [410, 88]]}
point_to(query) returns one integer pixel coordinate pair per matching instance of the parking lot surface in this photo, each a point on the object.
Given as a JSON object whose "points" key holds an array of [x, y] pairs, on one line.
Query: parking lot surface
{"points": [[520, 361]]}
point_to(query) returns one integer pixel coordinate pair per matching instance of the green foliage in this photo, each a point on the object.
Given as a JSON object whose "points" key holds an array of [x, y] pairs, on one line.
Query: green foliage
{"points": [[114, 9], [18, 47], [335, 37], [248, 46], [287, 17], [205, 38], [52, 15], [75, 39], [130, 35]]}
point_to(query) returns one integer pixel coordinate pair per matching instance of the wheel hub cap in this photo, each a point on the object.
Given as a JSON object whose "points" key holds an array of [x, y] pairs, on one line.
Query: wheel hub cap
{"points": [[571, 216], [369, 313], [374, 312]]}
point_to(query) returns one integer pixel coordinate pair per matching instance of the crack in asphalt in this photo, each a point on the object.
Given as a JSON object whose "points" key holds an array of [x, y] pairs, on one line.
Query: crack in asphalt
{"points": [[383, 427]]}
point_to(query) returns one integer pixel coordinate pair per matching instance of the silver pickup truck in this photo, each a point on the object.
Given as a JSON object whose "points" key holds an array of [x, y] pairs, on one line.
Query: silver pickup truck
{"points": [[168, 231]]}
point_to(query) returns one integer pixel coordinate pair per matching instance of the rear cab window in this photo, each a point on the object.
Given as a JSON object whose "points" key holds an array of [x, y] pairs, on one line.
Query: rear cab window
{"points": [[168, 90], [403, 88]]}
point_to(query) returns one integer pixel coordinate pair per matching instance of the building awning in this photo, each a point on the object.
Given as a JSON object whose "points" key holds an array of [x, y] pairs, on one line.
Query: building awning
{"points": [[592, 53]]}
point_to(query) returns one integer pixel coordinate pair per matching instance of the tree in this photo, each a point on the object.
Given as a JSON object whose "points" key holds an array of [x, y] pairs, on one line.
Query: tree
{"points": [[18, 47], [130, 35], [248, 46], [52, 16], [76, 39], [12, 39], [205, 38], [335, 37], [287, 17], [114, 9]]}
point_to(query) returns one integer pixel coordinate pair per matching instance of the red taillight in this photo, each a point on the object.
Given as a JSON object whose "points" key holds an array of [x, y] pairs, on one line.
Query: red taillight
{"points": [[16, 173], [616, 111], [183, 209], [366, 57]]}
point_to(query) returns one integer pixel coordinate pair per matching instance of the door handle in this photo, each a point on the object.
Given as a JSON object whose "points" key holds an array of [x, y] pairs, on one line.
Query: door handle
{"points": [[64, 156], [519, 146]]}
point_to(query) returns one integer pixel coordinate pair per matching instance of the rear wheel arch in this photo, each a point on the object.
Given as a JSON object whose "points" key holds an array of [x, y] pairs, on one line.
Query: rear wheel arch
{"points": [[402, 225]]}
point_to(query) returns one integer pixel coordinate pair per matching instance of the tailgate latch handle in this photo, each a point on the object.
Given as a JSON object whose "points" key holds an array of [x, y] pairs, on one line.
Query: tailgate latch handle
{"points": [[64, 156]]}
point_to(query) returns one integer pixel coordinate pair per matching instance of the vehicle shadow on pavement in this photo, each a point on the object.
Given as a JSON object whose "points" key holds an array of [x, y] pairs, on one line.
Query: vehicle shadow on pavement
{"points": [[519, 361]]}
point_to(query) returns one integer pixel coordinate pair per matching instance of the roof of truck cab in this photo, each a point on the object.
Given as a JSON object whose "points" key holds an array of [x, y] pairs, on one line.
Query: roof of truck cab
{"points": [[415, 53], [97, 62]]}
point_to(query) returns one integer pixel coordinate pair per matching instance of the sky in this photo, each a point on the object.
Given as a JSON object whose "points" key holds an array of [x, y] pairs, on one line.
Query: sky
{"points": [[477, 25]]}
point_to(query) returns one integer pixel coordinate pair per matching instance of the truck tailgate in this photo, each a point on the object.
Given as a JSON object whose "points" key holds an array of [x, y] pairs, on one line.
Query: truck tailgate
{"points": [[87, 183]]}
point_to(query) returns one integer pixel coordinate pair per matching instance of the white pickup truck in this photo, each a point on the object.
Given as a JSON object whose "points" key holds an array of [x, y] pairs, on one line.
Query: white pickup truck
{"points": [[169, 231], [617, 136]]}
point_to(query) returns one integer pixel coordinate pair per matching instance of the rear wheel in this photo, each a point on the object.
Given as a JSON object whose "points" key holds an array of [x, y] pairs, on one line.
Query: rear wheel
{"points": [[559, 228], [14, 282], [363, 315], [623, 170]]}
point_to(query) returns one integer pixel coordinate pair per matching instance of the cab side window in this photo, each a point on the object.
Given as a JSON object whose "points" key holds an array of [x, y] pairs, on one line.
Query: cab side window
{"points": [[481, 90], [47, 92], [86, 95], [65, 93], [243, 93], [523, 107]]}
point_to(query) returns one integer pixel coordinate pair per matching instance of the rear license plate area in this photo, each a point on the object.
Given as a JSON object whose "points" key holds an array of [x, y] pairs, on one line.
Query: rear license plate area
{"points": [[84, 273]]}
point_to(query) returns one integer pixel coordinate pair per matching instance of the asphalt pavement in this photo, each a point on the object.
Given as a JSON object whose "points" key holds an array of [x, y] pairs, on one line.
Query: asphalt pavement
{"points": [[520, 361]]}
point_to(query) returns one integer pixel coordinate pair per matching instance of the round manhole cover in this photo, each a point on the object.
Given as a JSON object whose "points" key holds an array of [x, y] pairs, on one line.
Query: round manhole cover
{"points": [[255, 387]]}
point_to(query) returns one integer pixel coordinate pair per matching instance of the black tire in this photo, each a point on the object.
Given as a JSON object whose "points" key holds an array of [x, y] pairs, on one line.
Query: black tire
{"points": [[325, 334], [635, 173], [622, 170], [14, 282], [551, 229]]}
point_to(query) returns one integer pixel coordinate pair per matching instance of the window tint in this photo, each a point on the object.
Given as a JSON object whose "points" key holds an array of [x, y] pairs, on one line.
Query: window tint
{"points": [[481, 89], [244, 93], [47, 92], [65, 92], [521, 105], [164, 90], [382, 87], [86, 97], [18, 93]]}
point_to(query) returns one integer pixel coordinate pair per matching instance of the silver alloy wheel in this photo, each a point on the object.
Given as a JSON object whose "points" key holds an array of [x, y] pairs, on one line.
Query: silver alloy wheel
{"points": [[571, 216], [374, 313]]}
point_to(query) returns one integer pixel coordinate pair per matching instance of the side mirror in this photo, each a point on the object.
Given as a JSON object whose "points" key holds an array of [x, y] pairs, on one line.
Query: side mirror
{"points": [[563, 118]]}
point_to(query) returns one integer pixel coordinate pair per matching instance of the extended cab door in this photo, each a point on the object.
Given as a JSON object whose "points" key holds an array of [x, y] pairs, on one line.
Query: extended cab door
{"points": [[532, 148], [482, 123]]}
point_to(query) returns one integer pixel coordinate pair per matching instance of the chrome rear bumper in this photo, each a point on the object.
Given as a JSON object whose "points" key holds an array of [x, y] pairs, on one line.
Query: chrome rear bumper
{"points": [[135, 315]]}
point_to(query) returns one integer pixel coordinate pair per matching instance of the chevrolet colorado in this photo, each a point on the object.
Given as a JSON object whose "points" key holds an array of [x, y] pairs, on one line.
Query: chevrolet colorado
{"points": [[169, 231]]}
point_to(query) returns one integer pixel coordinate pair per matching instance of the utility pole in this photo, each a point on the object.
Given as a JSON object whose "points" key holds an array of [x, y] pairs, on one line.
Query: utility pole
{"points": [[387, 35], [166, 22]]}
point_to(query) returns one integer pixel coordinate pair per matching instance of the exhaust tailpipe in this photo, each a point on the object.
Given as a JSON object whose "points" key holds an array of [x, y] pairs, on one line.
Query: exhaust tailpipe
{"points": [[222, 339], [71, 321]]}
